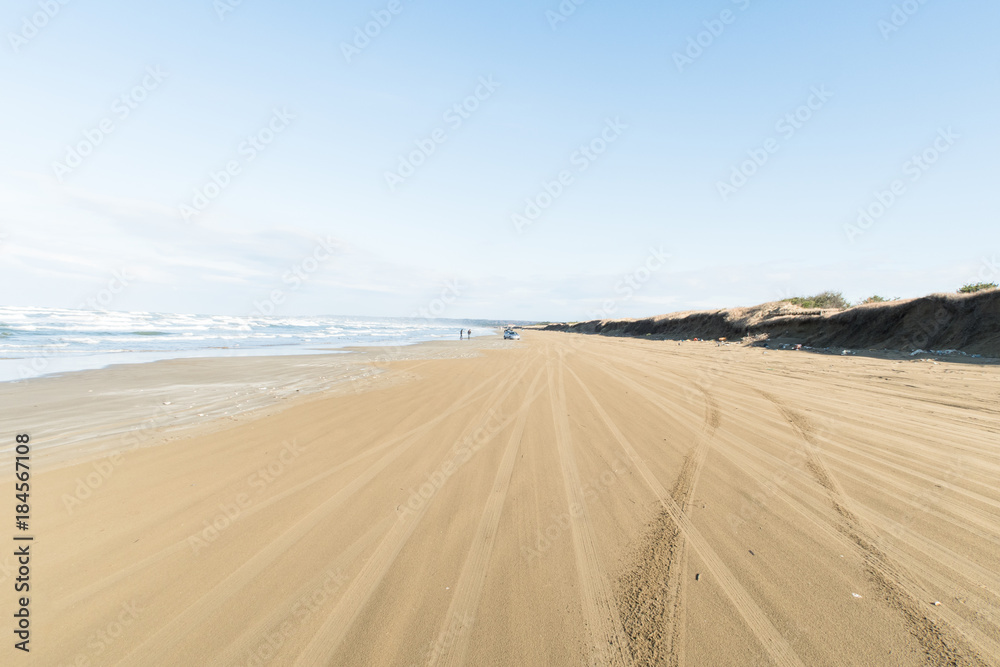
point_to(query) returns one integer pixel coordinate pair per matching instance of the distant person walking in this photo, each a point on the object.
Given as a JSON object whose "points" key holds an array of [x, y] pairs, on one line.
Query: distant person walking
{"points": [[460, 332], [469, 335]]}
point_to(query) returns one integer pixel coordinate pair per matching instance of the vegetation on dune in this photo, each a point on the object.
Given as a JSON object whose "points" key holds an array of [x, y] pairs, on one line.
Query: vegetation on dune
{"points": [[829, 300], [821, 300], [836, 300], [875, 298], [969, 288]]}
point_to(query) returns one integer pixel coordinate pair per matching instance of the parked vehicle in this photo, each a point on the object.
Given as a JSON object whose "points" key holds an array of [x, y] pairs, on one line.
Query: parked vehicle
{"points": [[510, 334]]}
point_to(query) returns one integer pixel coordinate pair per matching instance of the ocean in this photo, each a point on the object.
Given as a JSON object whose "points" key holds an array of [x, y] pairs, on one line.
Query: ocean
{"points": [[42, 341]]}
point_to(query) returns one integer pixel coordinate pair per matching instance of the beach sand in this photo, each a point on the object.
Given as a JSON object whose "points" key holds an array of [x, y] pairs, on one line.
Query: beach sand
{"points": [[559, 500]]}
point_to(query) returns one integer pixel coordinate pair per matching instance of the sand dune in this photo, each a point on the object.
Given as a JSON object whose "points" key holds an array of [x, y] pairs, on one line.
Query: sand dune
{"points": [[966, 322], [561, 500]]}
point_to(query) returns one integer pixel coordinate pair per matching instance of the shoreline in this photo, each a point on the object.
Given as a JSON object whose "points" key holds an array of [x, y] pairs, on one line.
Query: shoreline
{"points": [[19, 369], [89, 413]]}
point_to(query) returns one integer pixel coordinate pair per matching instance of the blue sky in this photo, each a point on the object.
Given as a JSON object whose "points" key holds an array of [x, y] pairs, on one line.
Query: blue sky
{"points": [[327, 128]]}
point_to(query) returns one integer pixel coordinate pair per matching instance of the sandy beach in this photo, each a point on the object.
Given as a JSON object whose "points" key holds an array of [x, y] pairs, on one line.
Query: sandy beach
{"points": [[558, 500]]}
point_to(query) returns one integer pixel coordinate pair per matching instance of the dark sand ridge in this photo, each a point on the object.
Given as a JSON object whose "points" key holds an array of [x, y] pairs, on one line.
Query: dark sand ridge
{"points": [[970, 323]]}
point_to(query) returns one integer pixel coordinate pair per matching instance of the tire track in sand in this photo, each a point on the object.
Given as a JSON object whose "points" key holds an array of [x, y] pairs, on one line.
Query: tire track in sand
{"points": [[947, 640], [929, 631], [451, 646], [761, 467], [334, 628], [651, 599], [607, 641], [285, 608], [197, 613], [181, 545], [771, 640]]}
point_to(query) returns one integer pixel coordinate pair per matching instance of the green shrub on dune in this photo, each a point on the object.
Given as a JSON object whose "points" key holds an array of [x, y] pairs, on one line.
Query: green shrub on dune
{"points": [[969, 288], [875, 298], [822, 300]]}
